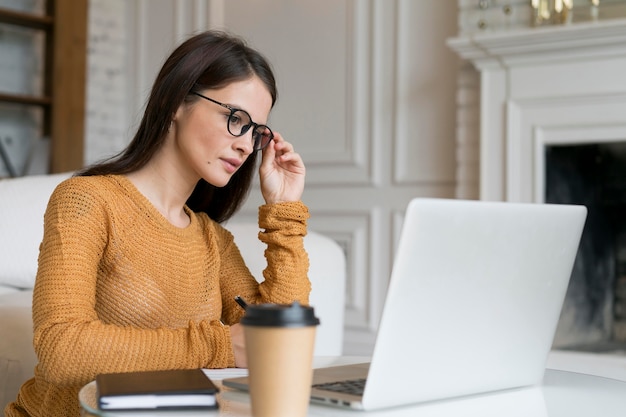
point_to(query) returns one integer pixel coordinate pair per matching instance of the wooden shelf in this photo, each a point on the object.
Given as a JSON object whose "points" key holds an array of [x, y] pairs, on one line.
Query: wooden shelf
{"points": [[64, 77], [24, 99], [28, 20]]}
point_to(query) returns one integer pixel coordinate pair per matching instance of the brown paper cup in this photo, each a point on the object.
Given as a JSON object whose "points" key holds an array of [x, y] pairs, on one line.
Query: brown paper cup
{"points": [[279, 348], [280, 365]]}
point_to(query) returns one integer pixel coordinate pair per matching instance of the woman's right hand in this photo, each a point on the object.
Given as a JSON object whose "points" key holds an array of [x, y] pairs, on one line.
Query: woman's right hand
{"points": [[239, 345]]}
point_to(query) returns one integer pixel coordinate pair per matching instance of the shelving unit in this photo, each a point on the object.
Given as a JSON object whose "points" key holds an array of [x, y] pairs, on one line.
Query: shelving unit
{"points": [[64, 79]]}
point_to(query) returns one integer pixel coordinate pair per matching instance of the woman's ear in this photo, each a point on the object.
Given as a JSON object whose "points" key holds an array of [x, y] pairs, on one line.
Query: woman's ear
{"points": [[179, 114], [175, 117]]}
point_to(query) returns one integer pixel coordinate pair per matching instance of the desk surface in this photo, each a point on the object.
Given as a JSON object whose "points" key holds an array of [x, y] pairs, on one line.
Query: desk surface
{"points": [[562, 394]]}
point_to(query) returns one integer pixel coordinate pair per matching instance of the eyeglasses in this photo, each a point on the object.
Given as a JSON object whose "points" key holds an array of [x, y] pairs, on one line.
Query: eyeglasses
{"points": [[239, 122]]}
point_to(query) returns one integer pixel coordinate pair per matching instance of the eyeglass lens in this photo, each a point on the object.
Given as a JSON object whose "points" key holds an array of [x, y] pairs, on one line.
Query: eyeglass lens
{"points": [[240, 122]]}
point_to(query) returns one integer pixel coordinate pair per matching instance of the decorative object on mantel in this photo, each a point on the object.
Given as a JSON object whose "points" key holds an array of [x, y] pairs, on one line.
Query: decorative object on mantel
{"points": [[482, 16], [552, 11], [594, 11], [555, 12]]}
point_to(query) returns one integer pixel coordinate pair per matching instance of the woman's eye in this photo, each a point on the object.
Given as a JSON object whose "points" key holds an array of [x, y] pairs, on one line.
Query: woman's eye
{"points": [[234, 120]]}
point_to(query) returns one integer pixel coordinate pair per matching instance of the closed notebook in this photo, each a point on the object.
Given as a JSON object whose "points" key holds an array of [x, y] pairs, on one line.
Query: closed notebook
{"points": [[150, 390]]}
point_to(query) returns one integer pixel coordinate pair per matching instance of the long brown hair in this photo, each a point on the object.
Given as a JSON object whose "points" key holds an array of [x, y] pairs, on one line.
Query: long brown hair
{"points": [[208, 60]]}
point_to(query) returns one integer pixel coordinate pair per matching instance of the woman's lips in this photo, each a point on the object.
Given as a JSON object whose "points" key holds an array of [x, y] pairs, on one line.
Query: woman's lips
{"points": [[231, 164]]}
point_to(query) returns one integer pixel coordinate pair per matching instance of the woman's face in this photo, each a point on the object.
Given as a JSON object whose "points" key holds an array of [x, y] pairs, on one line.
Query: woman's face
{"points": [[201, 136]]}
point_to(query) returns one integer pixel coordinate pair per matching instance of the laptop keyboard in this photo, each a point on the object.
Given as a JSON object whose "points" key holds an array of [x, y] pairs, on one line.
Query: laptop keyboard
{"points": [[352, 386]]}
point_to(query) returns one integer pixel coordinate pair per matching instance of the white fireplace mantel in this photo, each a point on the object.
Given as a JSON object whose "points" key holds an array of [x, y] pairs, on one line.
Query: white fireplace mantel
{"points": [[540, 86]]}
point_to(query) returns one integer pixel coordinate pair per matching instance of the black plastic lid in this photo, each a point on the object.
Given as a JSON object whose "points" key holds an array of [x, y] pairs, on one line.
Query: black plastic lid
{"points": [[279, 315]]}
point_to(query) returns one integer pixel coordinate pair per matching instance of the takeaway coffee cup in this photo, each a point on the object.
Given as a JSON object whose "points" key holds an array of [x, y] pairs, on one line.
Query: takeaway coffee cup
{"points": [[279, 349]]}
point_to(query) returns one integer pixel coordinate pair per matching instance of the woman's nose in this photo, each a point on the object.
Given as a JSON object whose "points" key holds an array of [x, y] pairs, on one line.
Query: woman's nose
{"points": [[244, 143]]}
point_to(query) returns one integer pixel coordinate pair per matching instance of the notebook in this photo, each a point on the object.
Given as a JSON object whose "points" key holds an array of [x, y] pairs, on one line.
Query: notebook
{"points": [[177, 389], [472, 305]]}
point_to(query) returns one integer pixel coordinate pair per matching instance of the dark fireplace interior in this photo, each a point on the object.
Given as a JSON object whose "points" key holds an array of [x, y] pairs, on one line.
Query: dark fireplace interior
{"points": [[594, 313]]}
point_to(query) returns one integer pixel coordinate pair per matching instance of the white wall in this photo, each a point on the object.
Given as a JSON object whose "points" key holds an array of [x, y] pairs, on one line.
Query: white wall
{"points": [[366, 94], [106, 127]]}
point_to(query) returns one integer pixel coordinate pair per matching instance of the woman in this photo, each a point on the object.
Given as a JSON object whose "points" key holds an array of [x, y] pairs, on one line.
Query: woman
{"points": [[135, 271]]}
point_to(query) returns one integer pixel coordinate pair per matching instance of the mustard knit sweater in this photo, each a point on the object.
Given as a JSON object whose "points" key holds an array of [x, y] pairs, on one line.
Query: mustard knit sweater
{"points": [[119, 288]]}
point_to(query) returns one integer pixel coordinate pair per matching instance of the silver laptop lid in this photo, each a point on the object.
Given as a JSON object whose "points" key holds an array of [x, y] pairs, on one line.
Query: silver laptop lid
{"points": [[474, 299]]}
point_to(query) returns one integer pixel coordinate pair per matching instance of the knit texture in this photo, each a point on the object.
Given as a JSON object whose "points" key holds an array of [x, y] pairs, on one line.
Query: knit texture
{"points": [[121, 289]]}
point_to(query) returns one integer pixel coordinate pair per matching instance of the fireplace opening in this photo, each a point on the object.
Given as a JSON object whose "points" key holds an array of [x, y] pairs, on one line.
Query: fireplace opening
{"points": [[594, 313]]}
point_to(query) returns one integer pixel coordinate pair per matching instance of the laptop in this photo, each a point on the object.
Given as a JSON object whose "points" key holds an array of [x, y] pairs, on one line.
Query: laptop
{"points": [[473, 302]]}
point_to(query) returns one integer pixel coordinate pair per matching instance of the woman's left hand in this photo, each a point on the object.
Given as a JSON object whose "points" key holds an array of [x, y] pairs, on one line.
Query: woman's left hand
{"points": [[282, 172]]}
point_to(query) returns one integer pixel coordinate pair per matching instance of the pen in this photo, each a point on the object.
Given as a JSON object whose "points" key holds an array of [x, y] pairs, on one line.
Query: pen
{"points": [[241, 302]]}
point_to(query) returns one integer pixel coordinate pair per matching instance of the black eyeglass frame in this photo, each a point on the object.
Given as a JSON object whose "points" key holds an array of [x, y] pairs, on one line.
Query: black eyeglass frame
{"points": [[256, 145]]}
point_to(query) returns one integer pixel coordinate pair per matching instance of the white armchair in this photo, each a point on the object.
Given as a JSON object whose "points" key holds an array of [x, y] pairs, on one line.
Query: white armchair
{"points": [[22, 204], [327, 272]]}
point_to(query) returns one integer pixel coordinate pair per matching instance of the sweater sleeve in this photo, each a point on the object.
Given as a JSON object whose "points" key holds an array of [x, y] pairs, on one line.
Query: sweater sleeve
{"points": [[283, 227], [72, 344]]}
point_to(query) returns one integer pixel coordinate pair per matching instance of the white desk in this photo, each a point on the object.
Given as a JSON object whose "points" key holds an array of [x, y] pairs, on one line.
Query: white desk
{"points": [[562, 394]]}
